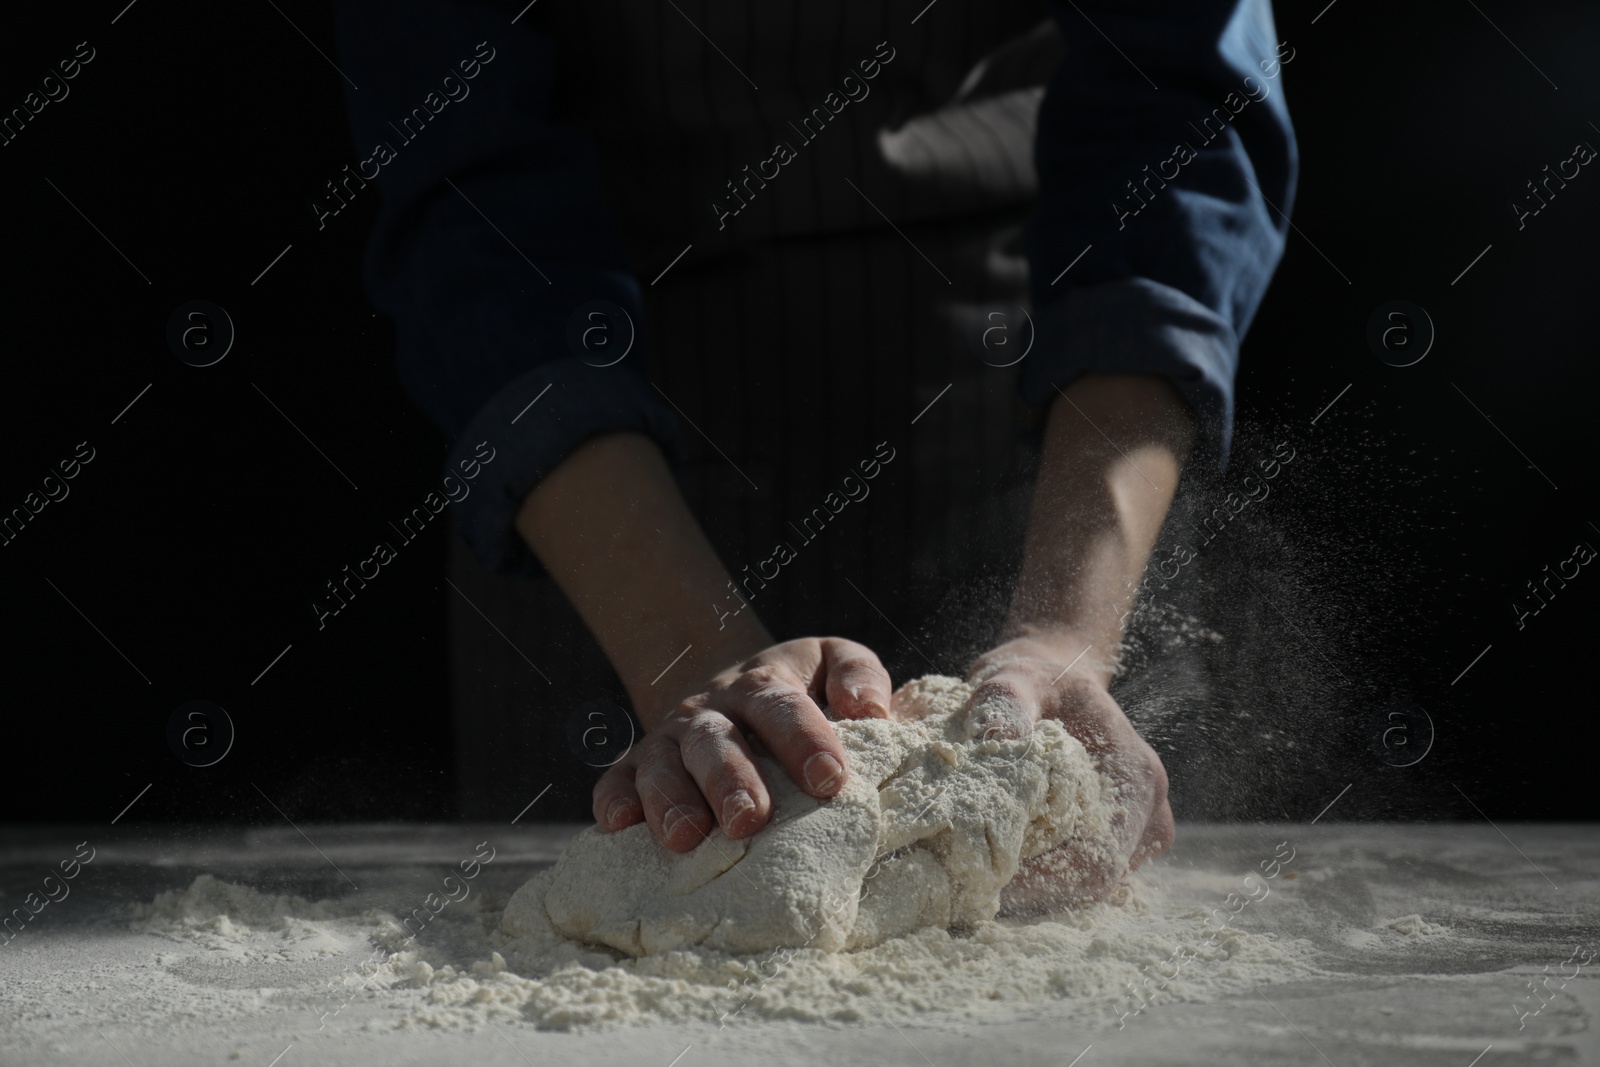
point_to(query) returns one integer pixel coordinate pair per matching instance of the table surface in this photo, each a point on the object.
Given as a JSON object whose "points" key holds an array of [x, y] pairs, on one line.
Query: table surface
{"points": [[1518, 900]]}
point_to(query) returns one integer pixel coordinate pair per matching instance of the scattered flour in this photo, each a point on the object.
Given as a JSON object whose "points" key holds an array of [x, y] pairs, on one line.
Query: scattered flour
{"points": [[1394, 936], [243, 923], [880, 904], [1416, 926], [1073, 965]]}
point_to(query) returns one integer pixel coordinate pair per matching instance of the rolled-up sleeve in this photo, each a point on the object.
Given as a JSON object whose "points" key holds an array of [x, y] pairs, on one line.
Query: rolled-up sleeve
{"points": [[1167, 167], [492, 235]]}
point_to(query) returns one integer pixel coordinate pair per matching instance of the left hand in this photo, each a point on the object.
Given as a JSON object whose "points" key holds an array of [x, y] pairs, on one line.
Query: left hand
{"points": [[1027, 679]]}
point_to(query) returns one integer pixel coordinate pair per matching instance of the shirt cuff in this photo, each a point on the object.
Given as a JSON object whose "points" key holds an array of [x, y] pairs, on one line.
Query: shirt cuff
{"points": [[1137, 326], [533, 424]]}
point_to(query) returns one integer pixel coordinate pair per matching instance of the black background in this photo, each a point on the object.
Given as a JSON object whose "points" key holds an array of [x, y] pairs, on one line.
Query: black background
{"points": [[195, 141]]}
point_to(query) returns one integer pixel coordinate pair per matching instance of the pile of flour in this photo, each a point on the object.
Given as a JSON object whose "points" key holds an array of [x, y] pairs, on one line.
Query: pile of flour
{"points": [[931, 826], [243, 924]]}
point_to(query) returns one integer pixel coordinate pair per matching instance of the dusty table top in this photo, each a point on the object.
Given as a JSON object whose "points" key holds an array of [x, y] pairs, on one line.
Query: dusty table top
{"points": [[1513, 982]]}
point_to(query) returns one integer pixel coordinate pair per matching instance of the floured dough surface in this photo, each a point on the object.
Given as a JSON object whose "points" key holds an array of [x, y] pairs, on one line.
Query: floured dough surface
{"points": [[929, 828]]}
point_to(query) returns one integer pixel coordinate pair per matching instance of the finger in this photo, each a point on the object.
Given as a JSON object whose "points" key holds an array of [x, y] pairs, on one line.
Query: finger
{"points": [[1158, 837], [1061, 878], [716, 755], [1129, 761], [792, 727], [856, 684], [1000, 709], [673, 806], [616, 800], [1159, 830]]}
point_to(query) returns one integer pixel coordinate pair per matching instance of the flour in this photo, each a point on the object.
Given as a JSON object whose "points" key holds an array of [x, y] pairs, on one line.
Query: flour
{"points": [[1415, 926], [882, 903], [242, 923], [186, 990], [1073, 967]]}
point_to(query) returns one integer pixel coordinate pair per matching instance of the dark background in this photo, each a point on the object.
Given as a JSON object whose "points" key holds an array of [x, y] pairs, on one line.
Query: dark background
{"points": [[195, 141]]}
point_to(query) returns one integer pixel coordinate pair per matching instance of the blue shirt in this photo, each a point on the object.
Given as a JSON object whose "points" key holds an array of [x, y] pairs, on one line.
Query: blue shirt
{"points": [[1164, 166]]}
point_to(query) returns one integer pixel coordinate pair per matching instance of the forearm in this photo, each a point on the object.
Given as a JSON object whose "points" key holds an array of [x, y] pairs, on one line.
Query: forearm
{"points": [[612, 529], [1113, 450]]}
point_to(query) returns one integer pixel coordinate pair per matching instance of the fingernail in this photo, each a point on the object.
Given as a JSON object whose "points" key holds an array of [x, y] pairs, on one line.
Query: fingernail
{"points": [[873, 705], [669, 822], [735, 807], [617, 809], [822, 773]]}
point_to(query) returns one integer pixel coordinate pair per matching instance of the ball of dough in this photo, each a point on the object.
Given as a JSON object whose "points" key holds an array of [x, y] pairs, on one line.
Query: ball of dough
{"points": [[930, 826]]}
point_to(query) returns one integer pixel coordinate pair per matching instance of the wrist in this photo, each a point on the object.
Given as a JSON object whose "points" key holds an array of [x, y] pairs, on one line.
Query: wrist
{"points": [[1087, 651], [702, 653]]}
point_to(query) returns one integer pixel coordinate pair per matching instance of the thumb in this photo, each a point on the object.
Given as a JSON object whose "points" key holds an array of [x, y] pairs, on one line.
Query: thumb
{"points": [[856, 684], [999, 710]]}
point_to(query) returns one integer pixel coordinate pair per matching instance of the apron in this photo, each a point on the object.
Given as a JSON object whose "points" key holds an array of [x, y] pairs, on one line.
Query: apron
{"points": [[807, 338]]}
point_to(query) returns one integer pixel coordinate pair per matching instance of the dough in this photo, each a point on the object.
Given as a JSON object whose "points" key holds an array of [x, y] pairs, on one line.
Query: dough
{"points": [[929, 828]]}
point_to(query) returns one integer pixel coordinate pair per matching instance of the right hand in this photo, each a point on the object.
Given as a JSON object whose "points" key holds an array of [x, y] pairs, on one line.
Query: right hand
{"points": [[1028, 679], [695, 768]]}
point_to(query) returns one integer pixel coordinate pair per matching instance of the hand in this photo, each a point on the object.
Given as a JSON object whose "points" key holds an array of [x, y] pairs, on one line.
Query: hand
{"points": [[695, 768], [1026, 680]]}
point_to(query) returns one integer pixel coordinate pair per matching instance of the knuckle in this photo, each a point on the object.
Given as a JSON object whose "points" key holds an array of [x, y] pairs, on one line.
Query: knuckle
{"points": [[689, 707], [785, 708], [657, 758], [653, 747], [653, 792], [856, 664], [838, 648], [704, 735], [758, 678]]}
